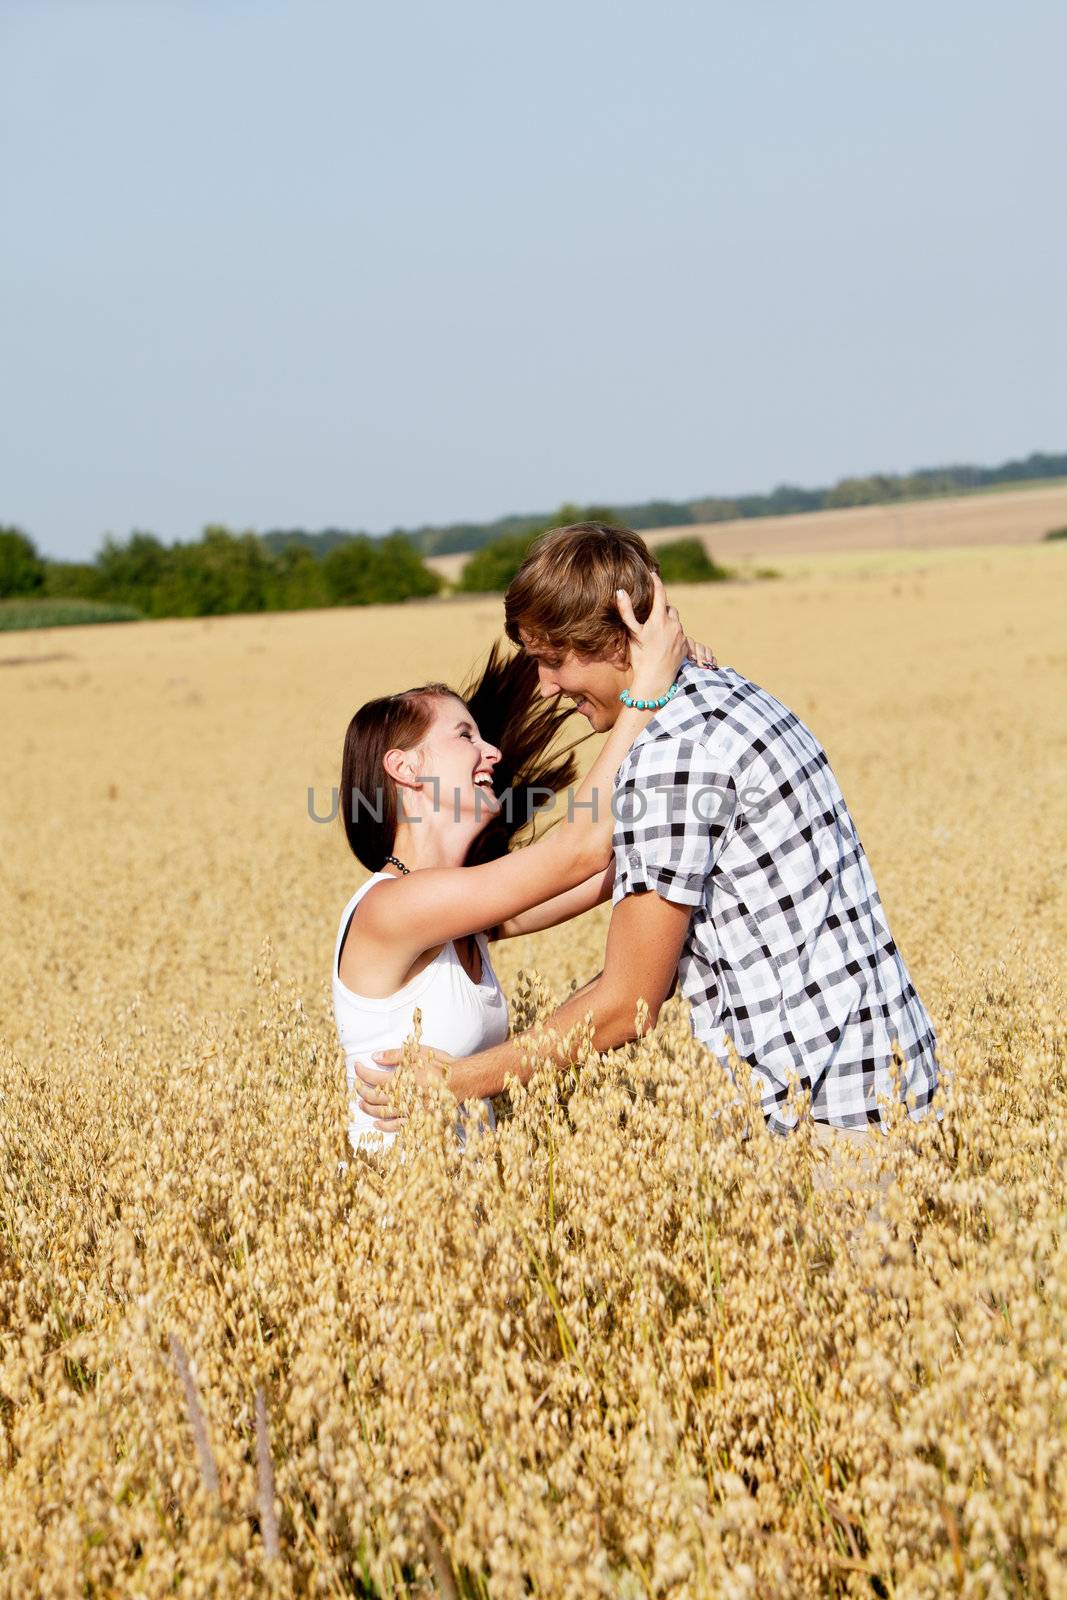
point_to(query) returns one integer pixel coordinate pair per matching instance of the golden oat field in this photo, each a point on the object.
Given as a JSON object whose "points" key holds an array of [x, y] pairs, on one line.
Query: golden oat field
{"points": [[618, 1348]]}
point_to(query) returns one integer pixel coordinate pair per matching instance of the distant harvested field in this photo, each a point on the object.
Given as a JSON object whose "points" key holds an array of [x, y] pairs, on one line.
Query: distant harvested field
{"points": [[1018, 516], [627, 1348]]}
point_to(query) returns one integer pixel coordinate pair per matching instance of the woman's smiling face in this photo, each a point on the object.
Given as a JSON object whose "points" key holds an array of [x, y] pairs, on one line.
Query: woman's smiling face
{"points": [[459, 762]]}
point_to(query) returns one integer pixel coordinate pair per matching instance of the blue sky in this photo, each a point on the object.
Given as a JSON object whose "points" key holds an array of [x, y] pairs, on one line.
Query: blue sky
{"points": [[313, 264]]}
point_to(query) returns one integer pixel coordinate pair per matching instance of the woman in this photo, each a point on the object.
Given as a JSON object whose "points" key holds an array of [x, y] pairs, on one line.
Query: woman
{"points": [[420, 787]]}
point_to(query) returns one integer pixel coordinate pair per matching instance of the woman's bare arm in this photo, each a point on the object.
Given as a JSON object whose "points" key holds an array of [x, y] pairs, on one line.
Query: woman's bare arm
{"points": [[562, 907]]}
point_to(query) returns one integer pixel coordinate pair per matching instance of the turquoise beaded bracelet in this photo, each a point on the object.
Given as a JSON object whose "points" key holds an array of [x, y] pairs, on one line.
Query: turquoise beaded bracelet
{"points": [[648, 705]]}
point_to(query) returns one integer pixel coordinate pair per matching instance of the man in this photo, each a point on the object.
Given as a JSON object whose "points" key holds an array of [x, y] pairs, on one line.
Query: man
{"points": [[737, 867]]}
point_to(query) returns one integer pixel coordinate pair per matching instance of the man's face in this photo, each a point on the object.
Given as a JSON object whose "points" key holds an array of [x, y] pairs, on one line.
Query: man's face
{"points": [[594, 686]]}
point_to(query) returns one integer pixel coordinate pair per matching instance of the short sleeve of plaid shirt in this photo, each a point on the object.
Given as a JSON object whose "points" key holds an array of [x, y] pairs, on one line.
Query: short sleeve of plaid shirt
{"points": [[673, 812]]}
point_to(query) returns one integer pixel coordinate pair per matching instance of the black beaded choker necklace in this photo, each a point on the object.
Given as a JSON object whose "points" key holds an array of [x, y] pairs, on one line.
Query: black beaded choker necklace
{"points": [[391, 861]]}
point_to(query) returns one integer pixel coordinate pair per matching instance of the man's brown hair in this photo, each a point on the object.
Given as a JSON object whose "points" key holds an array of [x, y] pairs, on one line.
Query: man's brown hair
{"points": [[563, 595]]}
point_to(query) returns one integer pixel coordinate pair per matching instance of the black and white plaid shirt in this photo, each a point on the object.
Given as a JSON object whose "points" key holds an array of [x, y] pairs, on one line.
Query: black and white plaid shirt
{"points": [[727, 803]]}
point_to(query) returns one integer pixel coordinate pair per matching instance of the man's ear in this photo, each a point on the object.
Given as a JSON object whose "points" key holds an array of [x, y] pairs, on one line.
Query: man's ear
{"points": [[401, 767], [620, 656]]}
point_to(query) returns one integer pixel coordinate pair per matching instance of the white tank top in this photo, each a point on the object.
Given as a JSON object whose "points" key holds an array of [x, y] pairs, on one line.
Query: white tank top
{"points": [[458, 1015]]}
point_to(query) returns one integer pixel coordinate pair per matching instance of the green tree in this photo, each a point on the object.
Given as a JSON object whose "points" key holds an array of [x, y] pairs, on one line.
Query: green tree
{"points": [[872, 491], [715, 510], [687, 561], [72, 580], [400, 573], [222, 573], [346, 572], [131, 572], [489, 571], [365, 572], [21, 568], [297, 581]]}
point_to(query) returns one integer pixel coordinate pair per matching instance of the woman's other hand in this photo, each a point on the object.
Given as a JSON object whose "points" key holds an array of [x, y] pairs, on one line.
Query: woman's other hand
{"points": [[702, 654]]}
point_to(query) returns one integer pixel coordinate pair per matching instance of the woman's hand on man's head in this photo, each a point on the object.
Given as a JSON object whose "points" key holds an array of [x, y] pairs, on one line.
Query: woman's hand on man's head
{"points": [[657, 646], [655, 630]]}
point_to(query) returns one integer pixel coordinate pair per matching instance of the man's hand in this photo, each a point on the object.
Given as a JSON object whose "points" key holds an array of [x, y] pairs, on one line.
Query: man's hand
{"points": [[374, 1082]]}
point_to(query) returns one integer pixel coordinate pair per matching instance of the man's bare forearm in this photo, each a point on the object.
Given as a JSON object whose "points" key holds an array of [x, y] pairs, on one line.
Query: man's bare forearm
{"points": [[586, 988], [475, 1077]]}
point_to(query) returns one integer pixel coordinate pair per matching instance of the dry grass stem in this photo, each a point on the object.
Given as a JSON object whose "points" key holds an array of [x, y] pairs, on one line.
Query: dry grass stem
{"points": [[195, 1411]]}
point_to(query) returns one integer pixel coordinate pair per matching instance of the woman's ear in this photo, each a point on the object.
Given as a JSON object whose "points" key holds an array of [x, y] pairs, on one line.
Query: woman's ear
{"points": [[401, 767]]}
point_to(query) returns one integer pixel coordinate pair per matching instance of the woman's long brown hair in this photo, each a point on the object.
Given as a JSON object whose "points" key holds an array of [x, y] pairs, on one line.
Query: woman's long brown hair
{"points": [[505, 702]]}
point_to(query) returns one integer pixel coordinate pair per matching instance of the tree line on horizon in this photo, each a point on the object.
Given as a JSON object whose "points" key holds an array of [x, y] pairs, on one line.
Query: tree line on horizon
{"points": [[221, 573], [225, 572], [457, 538], [290, 570]]}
